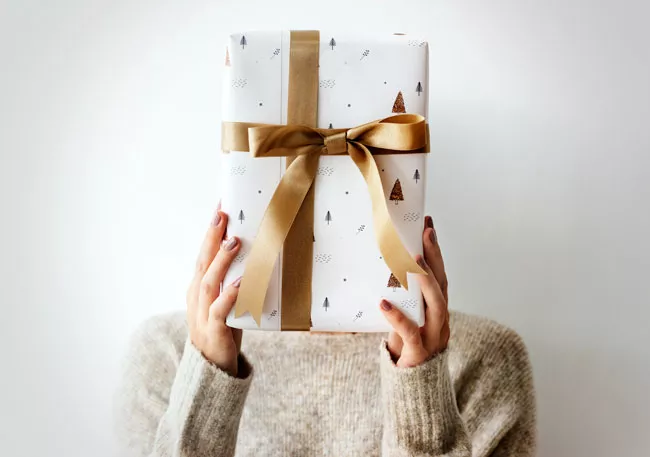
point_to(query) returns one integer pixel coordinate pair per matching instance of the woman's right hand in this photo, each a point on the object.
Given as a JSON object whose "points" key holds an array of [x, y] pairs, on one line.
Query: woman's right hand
{"points": [[207, 307]]}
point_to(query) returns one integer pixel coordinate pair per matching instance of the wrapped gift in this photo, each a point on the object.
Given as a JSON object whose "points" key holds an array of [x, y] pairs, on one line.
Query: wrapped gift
{"points": [[323, 176]]}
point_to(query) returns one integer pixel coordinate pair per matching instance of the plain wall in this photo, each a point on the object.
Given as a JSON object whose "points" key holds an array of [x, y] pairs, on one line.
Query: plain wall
{"points": [[109, 152]]}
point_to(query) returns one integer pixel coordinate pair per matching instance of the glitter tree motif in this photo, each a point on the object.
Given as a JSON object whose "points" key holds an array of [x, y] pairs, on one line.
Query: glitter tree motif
{"points": [[365, 54], [358, 316], [243, 41], [396, 194], [393, 282], [328, 218], [418, 89], [276, 52], [332, 43], [361, 228], [227, 58], [273, 314], [398, 106], [416, 175], [326, 303], [241, 217]]}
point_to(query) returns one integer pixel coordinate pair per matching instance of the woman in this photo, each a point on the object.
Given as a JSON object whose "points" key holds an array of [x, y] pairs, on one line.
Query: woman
{"points": [[192, 388]]}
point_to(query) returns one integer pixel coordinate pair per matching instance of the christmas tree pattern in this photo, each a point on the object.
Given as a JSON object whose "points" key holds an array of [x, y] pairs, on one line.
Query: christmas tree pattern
{"points": [[326, 303], [358, 316], [393, 282], [396, 194], [332, 43], [398, 106], [241, 217], [227, 58], [418, 89], [328, 218], [416, 175], [276, 52], [273, 314], [365, 54], [243, 41]]}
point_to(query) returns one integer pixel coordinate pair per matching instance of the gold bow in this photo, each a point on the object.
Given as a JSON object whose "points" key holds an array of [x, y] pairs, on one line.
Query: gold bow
{"points": [[404, 133]]}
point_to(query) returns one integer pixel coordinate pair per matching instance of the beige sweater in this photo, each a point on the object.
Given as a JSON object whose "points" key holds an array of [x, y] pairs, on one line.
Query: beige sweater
{"points": [[327, 395]]}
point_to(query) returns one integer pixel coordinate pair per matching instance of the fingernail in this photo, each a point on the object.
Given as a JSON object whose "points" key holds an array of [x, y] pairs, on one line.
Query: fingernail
{"points": [[428, 222], [237, 282], [385, 305], [421, 262], [219, 205], [231, 243], [433, 236], [217, 218]]}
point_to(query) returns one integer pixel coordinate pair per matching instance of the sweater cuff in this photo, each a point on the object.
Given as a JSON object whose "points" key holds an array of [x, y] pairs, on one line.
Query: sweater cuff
{"points": [[420, 411], [205, 401]]}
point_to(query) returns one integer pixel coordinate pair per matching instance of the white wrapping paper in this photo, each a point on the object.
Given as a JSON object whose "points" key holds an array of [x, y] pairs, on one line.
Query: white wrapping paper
{"points": [[361, 79]]}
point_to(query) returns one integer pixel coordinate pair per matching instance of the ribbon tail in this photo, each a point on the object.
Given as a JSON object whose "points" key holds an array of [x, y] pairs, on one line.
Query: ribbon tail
{"points": [[396, 256], [276, 223]]}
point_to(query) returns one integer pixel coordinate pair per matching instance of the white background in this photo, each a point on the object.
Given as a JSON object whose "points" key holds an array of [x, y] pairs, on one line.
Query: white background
{"points": [[109, 123]]}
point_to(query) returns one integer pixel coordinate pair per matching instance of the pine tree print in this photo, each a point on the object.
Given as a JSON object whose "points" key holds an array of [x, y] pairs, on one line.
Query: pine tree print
{"points": [[393, 282], [396, 194], [357, 316], [418, 89], [328, 218], [332, 43], [398, 106], [243, 41], [365, 54], [326, 303], [416, 175], [241, 217], [276, 52], [227, 58]]}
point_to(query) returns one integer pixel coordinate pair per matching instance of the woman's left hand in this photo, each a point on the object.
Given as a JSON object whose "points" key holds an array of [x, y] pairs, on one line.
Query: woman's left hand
{"points": [[409, 344]]}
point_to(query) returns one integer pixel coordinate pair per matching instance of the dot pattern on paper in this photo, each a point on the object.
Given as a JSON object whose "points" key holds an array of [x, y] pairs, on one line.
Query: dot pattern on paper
{"points": [[411, 217], [323, 258], [241, 82]]}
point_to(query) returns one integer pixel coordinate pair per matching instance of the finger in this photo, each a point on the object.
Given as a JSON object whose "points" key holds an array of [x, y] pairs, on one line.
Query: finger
{"points": [[208, 251], [222, 306], [436, 310], [395, 344], [211, 282], [433, 255], [408, 330], [211, 243]]}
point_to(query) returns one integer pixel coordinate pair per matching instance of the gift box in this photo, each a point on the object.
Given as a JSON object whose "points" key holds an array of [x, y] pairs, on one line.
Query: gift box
{"points": [[347, 240]]}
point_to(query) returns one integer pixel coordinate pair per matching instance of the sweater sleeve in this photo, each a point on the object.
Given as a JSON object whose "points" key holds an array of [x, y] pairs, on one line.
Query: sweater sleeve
{"points": [[173, 403], [421, 417], [490, 412]]}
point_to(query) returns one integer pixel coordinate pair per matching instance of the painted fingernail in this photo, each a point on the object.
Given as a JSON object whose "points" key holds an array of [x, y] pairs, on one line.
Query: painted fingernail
{"points": [[231, 243], [237, 282], [421, 262], [385, 305], [217, 218], [428, 222]]}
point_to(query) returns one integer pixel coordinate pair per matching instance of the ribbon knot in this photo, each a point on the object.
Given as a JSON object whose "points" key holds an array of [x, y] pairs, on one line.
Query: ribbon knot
{"points": [[336, 143], [403, 133]]}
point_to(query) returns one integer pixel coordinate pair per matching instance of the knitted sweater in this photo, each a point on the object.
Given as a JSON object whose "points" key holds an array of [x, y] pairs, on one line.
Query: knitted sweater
{"points": [[327, 395]]}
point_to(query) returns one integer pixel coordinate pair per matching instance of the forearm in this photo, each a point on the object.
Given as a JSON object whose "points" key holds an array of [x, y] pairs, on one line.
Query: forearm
{"points": [[201, 416], [421, 417]]}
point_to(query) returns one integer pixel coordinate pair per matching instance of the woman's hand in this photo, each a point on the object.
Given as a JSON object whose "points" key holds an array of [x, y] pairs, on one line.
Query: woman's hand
{"points": [[409, 344], [207, 307]]}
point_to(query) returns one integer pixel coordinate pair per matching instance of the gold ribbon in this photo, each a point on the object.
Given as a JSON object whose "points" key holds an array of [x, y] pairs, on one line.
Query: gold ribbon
{"points": [[404, 133]]}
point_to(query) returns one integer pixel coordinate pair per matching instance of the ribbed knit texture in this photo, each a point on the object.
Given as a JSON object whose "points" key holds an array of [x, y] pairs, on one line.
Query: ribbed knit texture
{"points": [[327, 395]]}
